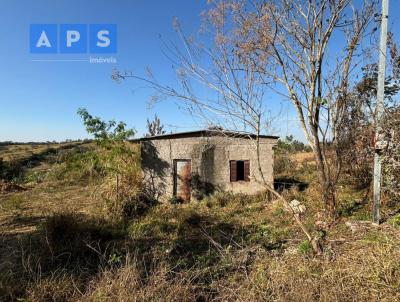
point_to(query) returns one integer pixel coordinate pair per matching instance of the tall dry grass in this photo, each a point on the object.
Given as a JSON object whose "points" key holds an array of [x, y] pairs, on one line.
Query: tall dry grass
{"points": [[225, 248], [196, 252]]}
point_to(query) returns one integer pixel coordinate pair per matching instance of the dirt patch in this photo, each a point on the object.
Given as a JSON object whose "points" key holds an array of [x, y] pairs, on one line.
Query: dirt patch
{"points": [[8, 187]]}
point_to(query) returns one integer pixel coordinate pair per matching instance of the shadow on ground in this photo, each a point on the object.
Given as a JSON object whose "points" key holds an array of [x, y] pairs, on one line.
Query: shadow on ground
{"points": [[10, 170], [81, 247], [287, 183]]}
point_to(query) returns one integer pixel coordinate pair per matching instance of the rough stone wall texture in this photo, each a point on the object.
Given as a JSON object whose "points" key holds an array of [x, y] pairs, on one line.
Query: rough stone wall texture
{"points": [[210, 158]]}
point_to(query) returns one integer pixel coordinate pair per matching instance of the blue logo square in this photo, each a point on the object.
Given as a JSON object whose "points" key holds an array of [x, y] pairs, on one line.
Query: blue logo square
{"points": [[73, 38], [43, 38], [103, 38]]}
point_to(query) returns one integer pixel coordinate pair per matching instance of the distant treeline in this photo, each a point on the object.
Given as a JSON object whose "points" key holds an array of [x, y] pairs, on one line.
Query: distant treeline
{"points": [[291, 145], [7, 143]]}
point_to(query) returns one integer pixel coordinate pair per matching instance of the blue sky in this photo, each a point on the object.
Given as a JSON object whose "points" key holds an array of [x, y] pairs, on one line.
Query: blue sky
{"points": [[38, 100]]}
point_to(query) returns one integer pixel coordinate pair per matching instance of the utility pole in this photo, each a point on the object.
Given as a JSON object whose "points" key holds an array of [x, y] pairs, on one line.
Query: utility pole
{"points": [[379, 113]]}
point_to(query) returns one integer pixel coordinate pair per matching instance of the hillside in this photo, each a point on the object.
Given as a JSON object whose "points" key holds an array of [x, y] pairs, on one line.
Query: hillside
{"points": [[59, 244]]}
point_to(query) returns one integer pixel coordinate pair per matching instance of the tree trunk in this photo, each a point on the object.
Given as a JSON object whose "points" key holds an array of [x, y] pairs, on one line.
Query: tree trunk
{"points": [[328, 185], [329, 198], [328, 192]]}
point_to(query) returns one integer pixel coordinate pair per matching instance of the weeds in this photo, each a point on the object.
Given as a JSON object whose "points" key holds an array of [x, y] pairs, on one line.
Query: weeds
{"points": [[305, 248], [77, 165], [192, 252], [13, 203], [34, 177], [395, 221], [227, 247], [267, 235]]}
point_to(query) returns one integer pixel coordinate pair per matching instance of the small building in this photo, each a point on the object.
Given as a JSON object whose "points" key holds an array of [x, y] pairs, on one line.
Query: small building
{"points": [[192, 165]]}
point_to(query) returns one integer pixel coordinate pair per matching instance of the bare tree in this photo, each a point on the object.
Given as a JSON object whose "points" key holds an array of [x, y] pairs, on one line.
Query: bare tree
{"points": [[291, 44], [235, 98], [236, 91], [285, 46]]}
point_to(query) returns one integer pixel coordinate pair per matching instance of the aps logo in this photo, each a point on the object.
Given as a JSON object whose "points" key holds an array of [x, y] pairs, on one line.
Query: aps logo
{"points": [[73, 38]]}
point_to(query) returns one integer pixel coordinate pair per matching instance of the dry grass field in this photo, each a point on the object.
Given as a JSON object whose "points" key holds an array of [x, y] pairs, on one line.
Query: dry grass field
{"points": [[13, 152], [58, 244]]}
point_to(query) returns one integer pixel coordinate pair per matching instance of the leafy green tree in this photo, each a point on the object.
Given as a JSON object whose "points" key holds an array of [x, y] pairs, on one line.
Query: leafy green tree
{"points": [[104, 131], [121, 159]]}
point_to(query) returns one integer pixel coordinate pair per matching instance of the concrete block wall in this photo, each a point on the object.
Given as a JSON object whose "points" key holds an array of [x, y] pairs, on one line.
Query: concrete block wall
{"points": [[210, 158]]}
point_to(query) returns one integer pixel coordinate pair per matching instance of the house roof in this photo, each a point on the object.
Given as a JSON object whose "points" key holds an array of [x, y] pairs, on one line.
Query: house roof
{"points": [[204, 132]]}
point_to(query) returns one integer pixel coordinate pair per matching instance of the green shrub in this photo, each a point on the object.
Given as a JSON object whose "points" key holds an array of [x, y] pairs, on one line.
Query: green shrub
{"points": [[121, 187], [34, 176], [267, 235], [136, 205], [395, 221], [11, 170], [152, 228], [283, 164], [348, 208], [362, 215], [279, 212], [223, 198], [175, 200], [77, 165], [304, 247], [12, 203]]}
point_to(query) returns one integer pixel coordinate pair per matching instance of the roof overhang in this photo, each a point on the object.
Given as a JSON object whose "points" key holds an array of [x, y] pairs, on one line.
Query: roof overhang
{"points": [[205, 133]]}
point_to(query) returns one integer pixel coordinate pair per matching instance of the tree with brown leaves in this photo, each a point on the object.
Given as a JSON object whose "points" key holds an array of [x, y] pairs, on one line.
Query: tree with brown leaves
{"points": [[291, 44]]}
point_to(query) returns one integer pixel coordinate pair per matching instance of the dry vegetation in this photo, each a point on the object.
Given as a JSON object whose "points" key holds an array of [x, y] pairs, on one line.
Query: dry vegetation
{"points": [[57, 244]]}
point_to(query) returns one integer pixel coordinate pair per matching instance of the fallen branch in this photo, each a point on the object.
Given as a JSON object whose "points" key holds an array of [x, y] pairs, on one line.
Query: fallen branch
{"points": [[314, 241]]}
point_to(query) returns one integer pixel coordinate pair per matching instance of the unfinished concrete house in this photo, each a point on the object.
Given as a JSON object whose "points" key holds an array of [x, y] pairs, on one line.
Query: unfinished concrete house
{"points": [[191, 165]]}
